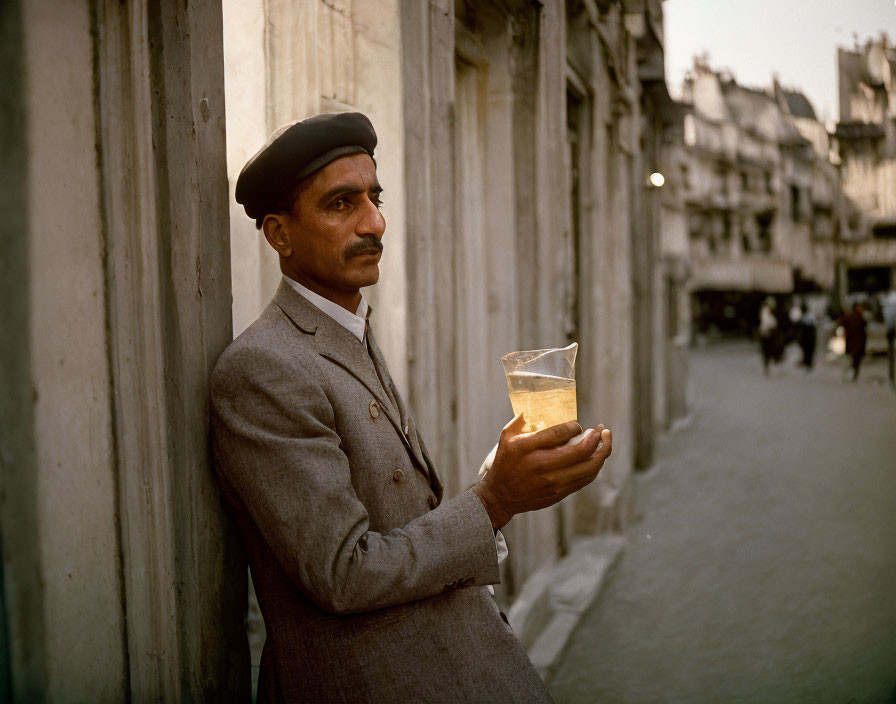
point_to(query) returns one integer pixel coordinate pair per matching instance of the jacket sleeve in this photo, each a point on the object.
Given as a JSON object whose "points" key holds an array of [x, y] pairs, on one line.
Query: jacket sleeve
{"points": [[277, 446]]}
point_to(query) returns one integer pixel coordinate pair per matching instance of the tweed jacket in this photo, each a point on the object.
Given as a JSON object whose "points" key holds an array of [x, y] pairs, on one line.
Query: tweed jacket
{"points": [[371, 587]]}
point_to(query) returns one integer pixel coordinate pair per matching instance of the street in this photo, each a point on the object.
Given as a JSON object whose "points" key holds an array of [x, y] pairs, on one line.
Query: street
{"points": [[762, 564]]}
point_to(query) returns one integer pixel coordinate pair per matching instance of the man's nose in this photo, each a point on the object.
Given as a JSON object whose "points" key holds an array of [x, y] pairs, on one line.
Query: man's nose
{"points": [[372, 221]]}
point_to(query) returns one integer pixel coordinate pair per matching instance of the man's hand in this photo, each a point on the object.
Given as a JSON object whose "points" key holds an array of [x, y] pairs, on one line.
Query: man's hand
{"points": [[535, 470]]}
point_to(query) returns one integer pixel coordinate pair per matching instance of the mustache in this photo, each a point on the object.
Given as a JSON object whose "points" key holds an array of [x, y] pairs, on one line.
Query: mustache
{"points": [[363, 247]]}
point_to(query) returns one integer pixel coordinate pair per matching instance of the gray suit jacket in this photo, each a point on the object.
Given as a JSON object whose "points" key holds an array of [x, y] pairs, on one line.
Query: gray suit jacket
{"points": [[371, 587]]}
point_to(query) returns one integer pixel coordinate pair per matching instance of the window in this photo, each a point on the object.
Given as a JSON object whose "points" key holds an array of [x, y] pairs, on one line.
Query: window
{"points": [[885, 230], [764, 232]]}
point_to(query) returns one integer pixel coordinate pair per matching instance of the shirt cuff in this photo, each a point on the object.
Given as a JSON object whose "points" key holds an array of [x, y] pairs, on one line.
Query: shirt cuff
{"points": [[501, 546]]}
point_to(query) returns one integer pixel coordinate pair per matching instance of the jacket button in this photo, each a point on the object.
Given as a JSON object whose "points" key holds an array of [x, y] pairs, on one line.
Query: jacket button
{"points": [[397, 476], [374, 409]]}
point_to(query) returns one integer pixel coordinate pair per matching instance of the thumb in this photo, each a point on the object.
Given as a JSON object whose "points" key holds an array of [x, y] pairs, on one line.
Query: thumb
{"points": [[514, 427]]}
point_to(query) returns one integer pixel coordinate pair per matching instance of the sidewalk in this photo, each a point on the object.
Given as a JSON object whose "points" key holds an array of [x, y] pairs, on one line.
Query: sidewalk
{"points": [[763, 568]]}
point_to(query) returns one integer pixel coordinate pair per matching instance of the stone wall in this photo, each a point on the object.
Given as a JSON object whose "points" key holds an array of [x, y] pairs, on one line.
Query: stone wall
{"points": [[122, 576]]}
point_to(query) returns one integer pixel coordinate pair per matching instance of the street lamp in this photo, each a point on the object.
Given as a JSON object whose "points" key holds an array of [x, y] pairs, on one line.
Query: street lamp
{"points": [[656, 179]]}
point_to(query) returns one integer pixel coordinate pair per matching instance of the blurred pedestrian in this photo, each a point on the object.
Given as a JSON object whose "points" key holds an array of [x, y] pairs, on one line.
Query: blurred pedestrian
{"points": [[889, 311], [854, 325], [795, 313], [807, 335], [768, 333]]}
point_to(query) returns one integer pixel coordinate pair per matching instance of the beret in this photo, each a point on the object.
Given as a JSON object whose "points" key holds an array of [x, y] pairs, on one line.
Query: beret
{"points": [[297, 150]]}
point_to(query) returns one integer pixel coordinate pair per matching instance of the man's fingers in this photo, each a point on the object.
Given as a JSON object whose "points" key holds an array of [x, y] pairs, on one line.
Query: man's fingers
{"points": [[570, 453], [606, 437], [550, 437], [586, 468], [577, 475], [581, 436]]}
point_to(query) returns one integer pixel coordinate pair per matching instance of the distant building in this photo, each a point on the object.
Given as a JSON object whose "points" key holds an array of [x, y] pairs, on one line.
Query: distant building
{"points": [[760, 198], [866, 145], [816, 198]]}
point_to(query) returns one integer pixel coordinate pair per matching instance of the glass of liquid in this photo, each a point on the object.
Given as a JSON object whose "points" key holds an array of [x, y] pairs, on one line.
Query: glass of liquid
{"points": [[542, 386]]}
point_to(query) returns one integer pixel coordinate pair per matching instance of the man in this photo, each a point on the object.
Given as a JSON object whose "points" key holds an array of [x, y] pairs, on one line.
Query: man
{"points": [[372, 588]]}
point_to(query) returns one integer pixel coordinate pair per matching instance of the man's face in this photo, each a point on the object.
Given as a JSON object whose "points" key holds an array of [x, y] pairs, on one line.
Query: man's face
{"points": [[335, 229]]}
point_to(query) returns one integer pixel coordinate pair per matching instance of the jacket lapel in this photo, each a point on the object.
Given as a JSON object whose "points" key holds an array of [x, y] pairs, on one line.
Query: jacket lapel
{"points": [[408, 428], [335, 343]]}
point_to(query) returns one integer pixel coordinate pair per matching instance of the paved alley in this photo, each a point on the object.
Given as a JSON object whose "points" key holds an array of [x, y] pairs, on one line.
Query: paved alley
{"points": [[762, 567]]}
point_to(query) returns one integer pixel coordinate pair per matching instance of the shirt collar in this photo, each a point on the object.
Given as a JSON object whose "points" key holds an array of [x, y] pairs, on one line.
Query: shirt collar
{"points": [[355, 323]]}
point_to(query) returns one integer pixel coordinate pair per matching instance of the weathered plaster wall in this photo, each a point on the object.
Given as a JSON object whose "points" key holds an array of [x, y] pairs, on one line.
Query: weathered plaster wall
{"points": [[287, 61], [67, 328], [254, 263], [549, 276], [118, 559], [593, 43]]}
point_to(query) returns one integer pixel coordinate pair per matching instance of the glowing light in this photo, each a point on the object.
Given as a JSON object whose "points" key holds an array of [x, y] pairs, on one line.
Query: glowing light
{"points": [[657, 179]]}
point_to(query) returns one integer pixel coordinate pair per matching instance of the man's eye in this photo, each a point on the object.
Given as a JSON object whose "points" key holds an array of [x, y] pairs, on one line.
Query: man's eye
{"points": [[378, 202], [340, 204]]}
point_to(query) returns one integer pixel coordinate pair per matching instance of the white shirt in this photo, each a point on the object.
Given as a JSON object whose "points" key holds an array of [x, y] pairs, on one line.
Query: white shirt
{"points": [[356, 324]]}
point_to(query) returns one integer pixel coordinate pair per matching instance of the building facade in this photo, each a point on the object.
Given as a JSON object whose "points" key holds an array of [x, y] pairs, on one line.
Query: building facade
{"points": [[778, 205], [761, 196], [866, 147]]}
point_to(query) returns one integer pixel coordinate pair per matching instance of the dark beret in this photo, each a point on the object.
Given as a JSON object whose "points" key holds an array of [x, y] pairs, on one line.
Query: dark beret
{"points": [[297, 150]]}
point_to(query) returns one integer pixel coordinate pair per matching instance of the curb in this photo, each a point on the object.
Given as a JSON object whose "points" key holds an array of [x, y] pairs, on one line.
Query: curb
{"points": [[553, 600]]}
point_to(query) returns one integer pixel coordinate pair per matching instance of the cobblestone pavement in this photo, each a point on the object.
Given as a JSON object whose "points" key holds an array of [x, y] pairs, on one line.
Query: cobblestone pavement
{"points": [[762, 567]]}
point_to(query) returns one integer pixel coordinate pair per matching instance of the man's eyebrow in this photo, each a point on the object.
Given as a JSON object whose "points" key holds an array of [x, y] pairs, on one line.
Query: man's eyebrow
{"points": [[345, 189]]}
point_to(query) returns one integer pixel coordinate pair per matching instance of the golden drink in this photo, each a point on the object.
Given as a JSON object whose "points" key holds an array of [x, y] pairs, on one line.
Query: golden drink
{"points": [[543, 400]]}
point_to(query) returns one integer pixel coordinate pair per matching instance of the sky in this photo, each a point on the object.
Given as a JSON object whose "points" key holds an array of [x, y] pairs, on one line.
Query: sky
{"points": [[754, 39]]}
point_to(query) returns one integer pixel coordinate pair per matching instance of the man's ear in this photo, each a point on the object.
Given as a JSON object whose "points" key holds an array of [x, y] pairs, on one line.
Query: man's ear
{"points": [[277, 234]]}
